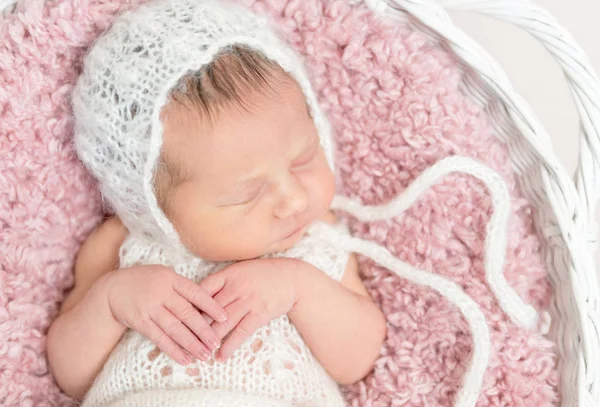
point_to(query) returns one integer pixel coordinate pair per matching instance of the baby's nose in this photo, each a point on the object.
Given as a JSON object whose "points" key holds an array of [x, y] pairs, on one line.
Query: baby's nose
{"points": [[293, 200]]}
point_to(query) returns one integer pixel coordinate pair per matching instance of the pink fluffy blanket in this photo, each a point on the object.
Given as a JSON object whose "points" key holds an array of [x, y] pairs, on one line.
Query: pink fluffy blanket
{"points": [[392, 95]]}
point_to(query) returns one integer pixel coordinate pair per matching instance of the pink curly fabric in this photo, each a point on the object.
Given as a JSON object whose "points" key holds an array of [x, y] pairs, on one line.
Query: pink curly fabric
{"points": [[392, 96]]}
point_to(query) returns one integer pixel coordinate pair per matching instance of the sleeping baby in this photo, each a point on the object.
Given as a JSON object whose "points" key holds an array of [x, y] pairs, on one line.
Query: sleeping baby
{"points": [[224, 278], [211, 286]]}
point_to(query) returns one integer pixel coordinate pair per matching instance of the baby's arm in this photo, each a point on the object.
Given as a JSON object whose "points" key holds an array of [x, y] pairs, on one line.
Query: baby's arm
{"points": [[341, 325], [150, 299], [85, 332]]}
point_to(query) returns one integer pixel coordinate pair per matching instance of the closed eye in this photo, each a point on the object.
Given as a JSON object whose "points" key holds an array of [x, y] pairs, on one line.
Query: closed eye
{"points": [[248, 200], [308, 156]]}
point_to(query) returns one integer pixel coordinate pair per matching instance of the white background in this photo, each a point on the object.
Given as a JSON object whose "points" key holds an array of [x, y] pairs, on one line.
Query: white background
{"points": [[533, 71]]}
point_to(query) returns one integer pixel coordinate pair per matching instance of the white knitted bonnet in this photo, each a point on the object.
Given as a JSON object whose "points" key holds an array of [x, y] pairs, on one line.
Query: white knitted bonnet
{"points": [[127, 78]]}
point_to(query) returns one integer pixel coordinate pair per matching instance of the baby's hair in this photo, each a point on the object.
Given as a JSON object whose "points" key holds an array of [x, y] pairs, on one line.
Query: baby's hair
{"points": [[235, 73]]}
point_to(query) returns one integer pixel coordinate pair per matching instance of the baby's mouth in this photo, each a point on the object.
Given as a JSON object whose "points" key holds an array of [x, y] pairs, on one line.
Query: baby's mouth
{"points": [[295, 232]]}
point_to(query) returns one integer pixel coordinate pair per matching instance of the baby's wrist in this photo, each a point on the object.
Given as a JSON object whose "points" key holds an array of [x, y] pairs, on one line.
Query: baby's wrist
{"points": [[296, 274], [103, 288], [305, 278]]}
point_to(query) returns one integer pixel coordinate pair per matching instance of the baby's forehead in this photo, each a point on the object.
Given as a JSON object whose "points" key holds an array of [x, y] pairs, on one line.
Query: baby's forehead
{"points": [[191, 135]]}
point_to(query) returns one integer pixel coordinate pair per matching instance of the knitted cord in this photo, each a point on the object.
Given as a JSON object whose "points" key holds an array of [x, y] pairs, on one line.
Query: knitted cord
{"points": [[495, 241]]}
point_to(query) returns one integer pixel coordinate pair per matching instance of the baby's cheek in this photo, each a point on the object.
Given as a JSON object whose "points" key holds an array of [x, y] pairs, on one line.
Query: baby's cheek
{"points": [[327, 188], [200, 231], [243, 239]]}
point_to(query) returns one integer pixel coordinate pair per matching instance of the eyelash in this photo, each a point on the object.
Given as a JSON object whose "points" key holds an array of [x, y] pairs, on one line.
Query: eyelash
{"points": [[249, 201]]}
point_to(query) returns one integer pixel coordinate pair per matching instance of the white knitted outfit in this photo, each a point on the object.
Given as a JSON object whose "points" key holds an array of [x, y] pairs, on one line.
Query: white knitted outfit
{"points": [[127, 79], [275, 363]]}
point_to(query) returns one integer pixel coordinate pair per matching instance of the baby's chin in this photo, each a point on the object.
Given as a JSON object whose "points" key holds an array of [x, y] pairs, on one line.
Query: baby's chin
{"points": [[288, 242], [228, 255]]}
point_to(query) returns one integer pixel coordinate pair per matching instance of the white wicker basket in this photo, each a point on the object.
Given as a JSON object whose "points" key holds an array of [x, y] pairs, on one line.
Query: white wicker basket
{"points": [[566, 207]]}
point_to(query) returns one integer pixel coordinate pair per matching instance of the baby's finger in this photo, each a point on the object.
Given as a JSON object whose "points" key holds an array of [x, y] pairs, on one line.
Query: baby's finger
{"points": [[226, 296], [153, 332], [181, 334], [213, 283], [194, 320], [245, 329], [195, 294], [235, 312], [208, 319]]}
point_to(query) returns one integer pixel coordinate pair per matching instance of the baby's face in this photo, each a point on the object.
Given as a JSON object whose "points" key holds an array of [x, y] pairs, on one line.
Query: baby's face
{"points": [[252, 180]]}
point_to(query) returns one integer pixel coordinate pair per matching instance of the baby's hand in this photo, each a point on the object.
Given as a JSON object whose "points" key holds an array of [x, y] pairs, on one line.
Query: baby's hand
{"points": [[253, 293], [158, 303]]}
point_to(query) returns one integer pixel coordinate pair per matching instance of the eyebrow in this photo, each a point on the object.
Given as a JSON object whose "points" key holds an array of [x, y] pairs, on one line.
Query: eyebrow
{"points": [[246, 183]]}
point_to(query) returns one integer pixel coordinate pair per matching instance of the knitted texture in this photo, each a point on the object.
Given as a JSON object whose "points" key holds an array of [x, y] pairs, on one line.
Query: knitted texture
{"points": [[393, 98], [275, 363]]}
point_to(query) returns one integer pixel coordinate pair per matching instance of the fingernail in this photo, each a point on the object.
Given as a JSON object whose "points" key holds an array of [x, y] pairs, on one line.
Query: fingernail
{"points": [[220, 357], [204, 354], [185, 360], [214, 344], [223, 317]]}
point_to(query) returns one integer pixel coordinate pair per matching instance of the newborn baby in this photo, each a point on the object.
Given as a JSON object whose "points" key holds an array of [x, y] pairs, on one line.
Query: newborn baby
{"points": [[206, 139]]}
